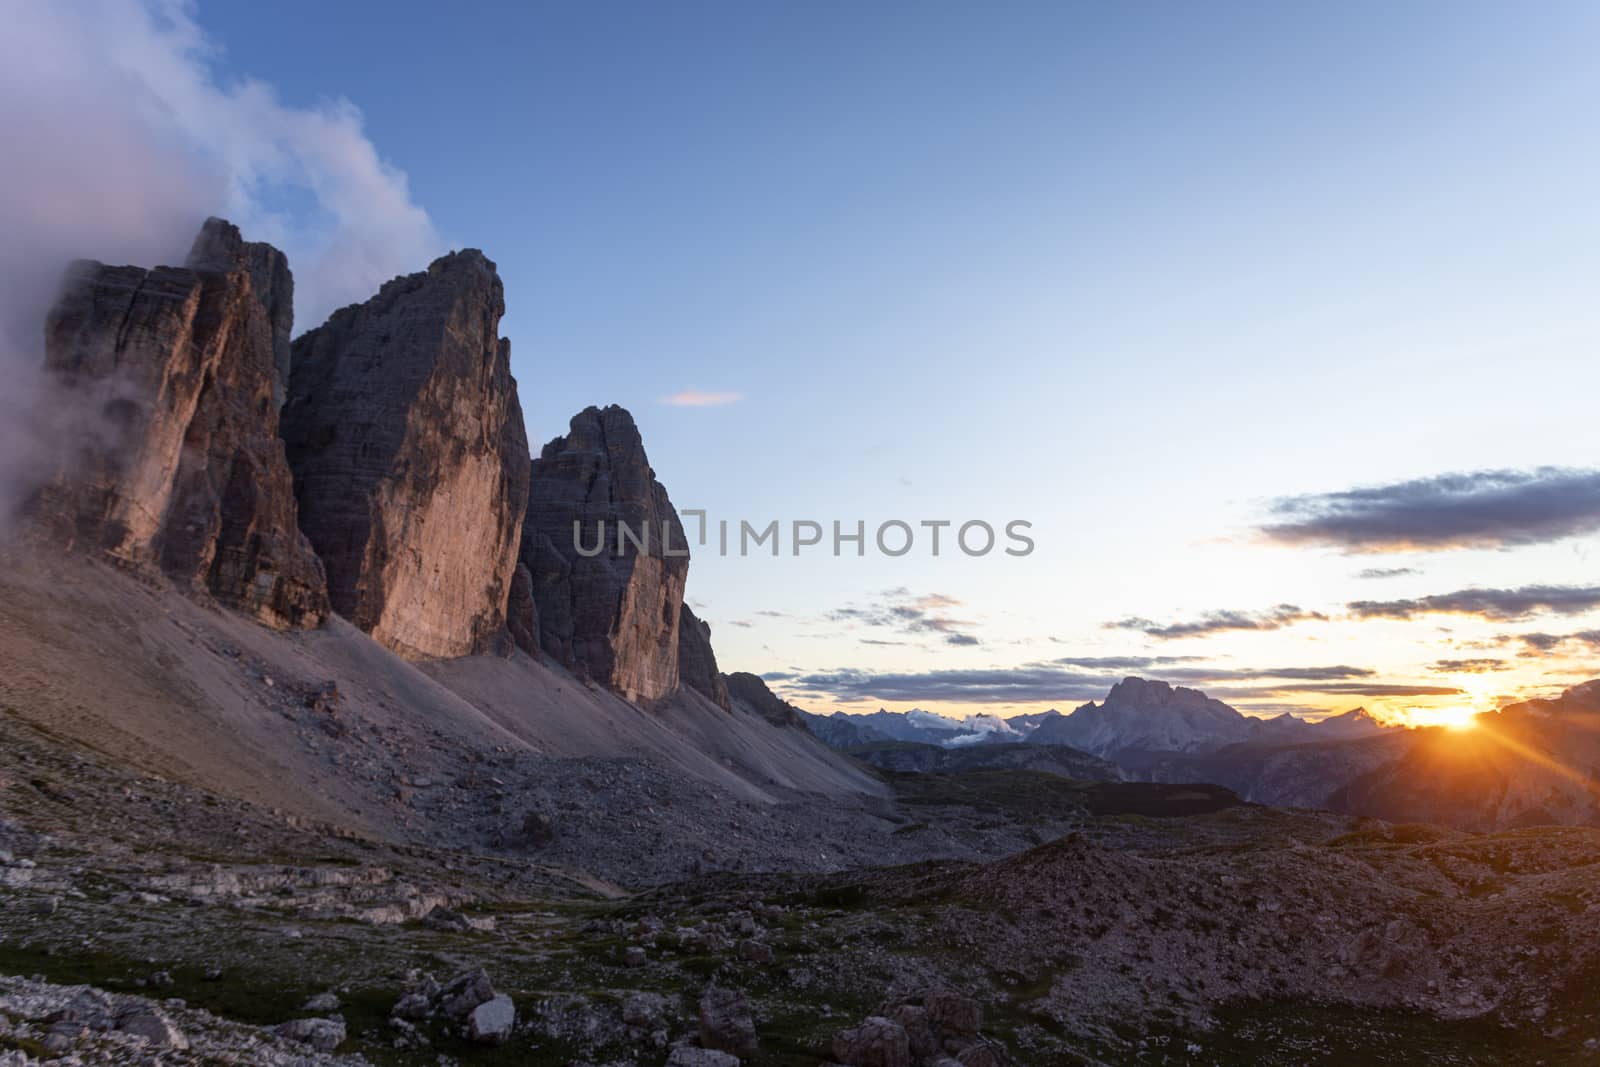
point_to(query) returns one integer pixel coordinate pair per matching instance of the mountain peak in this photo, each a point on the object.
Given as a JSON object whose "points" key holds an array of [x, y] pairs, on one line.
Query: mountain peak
{"points": [[1149, 715]]}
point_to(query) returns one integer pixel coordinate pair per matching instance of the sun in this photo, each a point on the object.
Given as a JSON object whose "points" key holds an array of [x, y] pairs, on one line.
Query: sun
{"points": [[1477, 697], [1459, 717]]}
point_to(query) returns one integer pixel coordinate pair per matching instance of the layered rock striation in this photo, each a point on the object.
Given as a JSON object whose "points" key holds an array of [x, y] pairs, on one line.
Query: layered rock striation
{"points": [[410, 460], [167, 381]]}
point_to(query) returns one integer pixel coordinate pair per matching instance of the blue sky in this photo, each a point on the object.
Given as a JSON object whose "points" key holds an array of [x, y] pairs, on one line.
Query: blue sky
{"points": [[1130, 272]]}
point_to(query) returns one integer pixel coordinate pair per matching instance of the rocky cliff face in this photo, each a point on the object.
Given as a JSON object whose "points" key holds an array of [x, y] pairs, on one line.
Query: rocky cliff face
{"points": [[410, 460], [167, 381], [219, 247], [697, 663], [605, 602]]}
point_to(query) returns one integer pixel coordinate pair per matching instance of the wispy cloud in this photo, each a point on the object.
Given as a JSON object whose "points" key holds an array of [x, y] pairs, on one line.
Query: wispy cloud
{"points": [[122, 135], [159, 133], [991, 686], [1379, 573], [698, 398], [1469, 666], [1214, 622], [1358, 689], [1037, 683], [911, 614], [1504, 605], [1122, 663], [1535, 644], [1476, 509]]}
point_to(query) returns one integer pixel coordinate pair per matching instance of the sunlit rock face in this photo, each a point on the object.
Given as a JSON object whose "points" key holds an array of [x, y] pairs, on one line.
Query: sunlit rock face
{"points": [[612, 616], [410, 461], [167, 381], [219, 247]]}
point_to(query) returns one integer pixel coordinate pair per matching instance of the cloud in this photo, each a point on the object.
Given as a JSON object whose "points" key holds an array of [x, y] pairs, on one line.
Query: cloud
{"points": [[1362, 690], [900, 609], [1122, 663], [695, 398], [1502, 605], [1049, 682], [1300, 673], [121, 137], [1477, 509], [1469, 666], [990, 686], [1376, 573], [1214, 622], [1539, 643]]}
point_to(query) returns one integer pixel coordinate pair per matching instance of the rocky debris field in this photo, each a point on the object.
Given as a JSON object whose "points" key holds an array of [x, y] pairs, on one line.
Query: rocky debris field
{"points": [[50, 1023], [1143, 924]]}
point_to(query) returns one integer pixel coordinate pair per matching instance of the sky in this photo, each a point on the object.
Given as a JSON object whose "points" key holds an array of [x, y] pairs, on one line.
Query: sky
{"points": [[1169, 283]]}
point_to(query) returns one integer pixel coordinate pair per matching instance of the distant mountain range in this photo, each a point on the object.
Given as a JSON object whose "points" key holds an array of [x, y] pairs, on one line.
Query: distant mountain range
{"points": [[1140, 716], [1531, 763], [1137, 716], [843, 730]]}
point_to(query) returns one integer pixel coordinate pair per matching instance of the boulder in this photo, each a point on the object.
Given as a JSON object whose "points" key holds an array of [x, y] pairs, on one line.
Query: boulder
{"points": [[492, 1021], [877, 1042], [645, 1010], [166, 383], [463, 993], [952, 1013], [726, 1023], [410, 461], [980, 1054], [324, 1035], [606, 558], [155, 1027], [920, 1036], [689, 1056], [412, 1006]]}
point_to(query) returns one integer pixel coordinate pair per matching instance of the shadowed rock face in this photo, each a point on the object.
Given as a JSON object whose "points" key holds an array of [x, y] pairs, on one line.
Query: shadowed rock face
{"points": [[410, 460], [167, 380], [750, 691], [697, 663], [613, 616]]}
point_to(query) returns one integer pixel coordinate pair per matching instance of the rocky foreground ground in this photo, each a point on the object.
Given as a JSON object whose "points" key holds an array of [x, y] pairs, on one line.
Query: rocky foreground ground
{"points": [[145, 922]]}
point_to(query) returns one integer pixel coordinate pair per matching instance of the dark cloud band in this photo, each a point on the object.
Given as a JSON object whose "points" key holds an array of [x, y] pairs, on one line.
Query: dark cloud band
{"points": [[1215, 622], [1502, 605], [1051, 682], [1478, 509]]}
